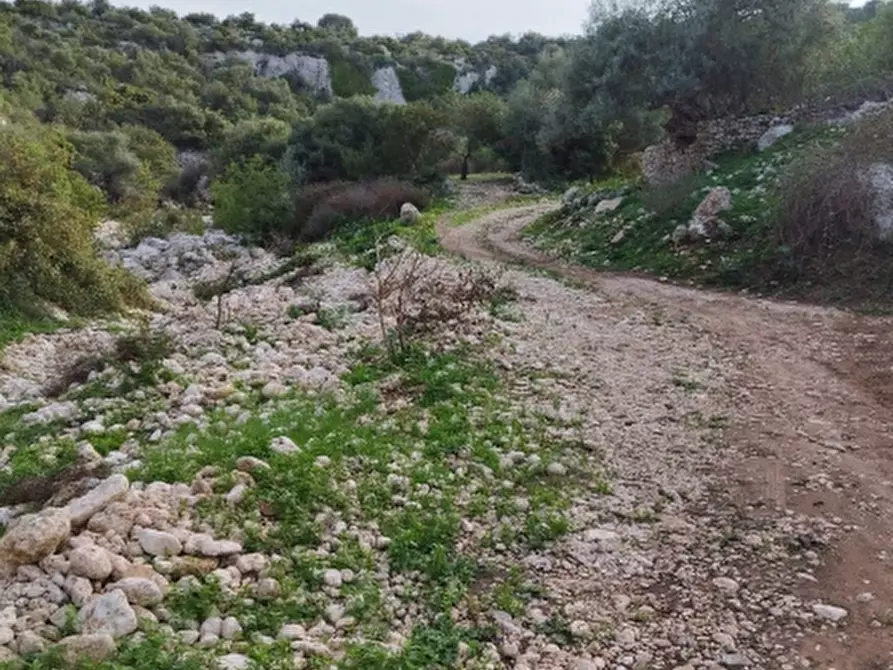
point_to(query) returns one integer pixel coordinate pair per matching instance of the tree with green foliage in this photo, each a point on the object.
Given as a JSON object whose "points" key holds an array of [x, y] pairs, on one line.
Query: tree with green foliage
{"points": [[359, 138], [47, 215], [478, 122], [338, 24], [699, 58], [252, 198], [105, 160], [265, 137]]}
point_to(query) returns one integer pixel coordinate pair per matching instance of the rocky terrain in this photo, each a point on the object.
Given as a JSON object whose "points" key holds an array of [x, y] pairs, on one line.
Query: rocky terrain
{"points": [[578, 472]]}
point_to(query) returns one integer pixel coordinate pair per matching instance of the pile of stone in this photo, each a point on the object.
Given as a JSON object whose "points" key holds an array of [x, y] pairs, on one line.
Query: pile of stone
{"points": [[100, 564], [705, 224], [182, 256], [596, 203]]}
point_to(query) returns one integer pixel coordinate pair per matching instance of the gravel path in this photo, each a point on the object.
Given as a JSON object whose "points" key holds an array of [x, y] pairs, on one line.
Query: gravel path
{"points": [[749, 446]]}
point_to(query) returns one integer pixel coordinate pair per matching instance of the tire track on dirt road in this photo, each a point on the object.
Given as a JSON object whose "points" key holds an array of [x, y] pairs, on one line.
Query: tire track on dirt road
{"points": [[811, 429]]}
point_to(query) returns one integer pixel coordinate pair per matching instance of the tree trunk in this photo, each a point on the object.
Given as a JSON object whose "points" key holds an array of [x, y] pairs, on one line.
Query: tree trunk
{"points": [[464, 175]]}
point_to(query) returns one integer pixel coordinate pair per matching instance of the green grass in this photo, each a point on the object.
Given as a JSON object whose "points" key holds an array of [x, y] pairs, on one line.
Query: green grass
{"points": [[751, 258], [16, 325], [37, 449], [411, 467], [362, 241], [466, 216]]}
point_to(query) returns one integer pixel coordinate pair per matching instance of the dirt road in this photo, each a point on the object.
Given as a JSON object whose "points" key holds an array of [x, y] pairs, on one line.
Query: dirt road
{"points": [[809, 393]]}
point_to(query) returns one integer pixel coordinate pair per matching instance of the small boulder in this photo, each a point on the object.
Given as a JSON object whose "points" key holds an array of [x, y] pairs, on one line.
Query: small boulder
{"points": [[680, 234], [230, 629], [726, 584], [94, 647], [34, 537], [233, 662], [283, 445], [91, 562], [139, 591], [606, 206], [774, 134], [30, 642], [829, 612], [79, 589], [109, 613], [274, 389], [249, 464], [570, 196], [409, 213], [158, 543], [705, 221], [204, 545], [252, 563], [109, 490], [236, 494], [59, 411]]}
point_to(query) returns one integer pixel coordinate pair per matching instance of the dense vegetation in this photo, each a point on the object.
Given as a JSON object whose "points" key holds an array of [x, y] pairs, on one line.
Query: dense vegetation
{"points": [[152, 109]]}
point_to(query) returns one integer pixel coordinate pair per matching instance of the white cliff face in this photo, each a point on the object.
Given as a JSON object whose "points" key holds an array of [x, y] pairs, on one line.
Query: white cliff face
{"points": [[465, 81], [313, 70], [387, 86], [316, 73]]}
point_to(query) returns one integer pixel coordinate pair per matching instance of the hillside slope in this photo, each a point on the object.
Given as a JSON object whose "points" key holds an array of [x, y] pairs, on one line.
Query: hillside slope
{"points": [[88, 64]]}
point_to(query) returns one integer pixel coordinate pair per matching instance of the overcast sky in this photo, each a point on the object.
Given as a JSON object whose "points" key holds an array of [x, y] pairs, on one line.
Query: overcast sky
{"points": [[471, 20]]}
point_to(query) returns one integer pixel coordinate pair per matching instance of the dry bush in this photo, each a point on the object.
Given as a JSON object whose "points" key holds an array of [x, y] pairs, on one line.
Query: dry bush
{"points": [[670, 199], [320, 208], [828, 207], [417, 295], [218, 288]]}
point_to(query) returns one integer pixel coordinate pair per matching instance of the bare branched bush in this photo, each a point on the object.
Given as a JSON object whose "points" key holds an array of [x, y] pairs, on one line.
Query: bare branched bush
{"points": [[217, 289], [320, 208], [829, 206], [417, 295]]}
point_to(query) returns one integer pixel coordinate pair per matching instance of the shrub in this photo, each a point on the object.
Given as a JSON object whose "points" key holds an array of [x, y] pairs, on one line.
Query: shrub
{"points": [[47, 216], [105, 160], [417, 295], [359, 139], [348, 79], [428, 79], [168, 219], [265, 137], [320, 208], [827, 216], [252, 199], [154, 152]]}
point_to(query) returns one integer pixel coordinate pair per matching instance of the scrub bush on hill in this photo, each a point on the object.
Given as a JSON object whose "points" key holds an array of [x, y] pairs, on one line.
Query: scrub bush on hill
{"points": [[252, 199], [359, 139], [47, 216], [320, 208], [828, 212]]}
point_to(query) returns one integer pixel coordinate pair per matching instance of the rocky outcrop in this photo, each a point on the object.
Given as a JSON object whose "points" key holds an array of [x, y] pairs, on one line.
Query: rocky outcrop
{"points": [[668, 161], [467, 79], [465, 82], [880, 179], [705, 223], [387, 86], [314, 71], [181, 255]]}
